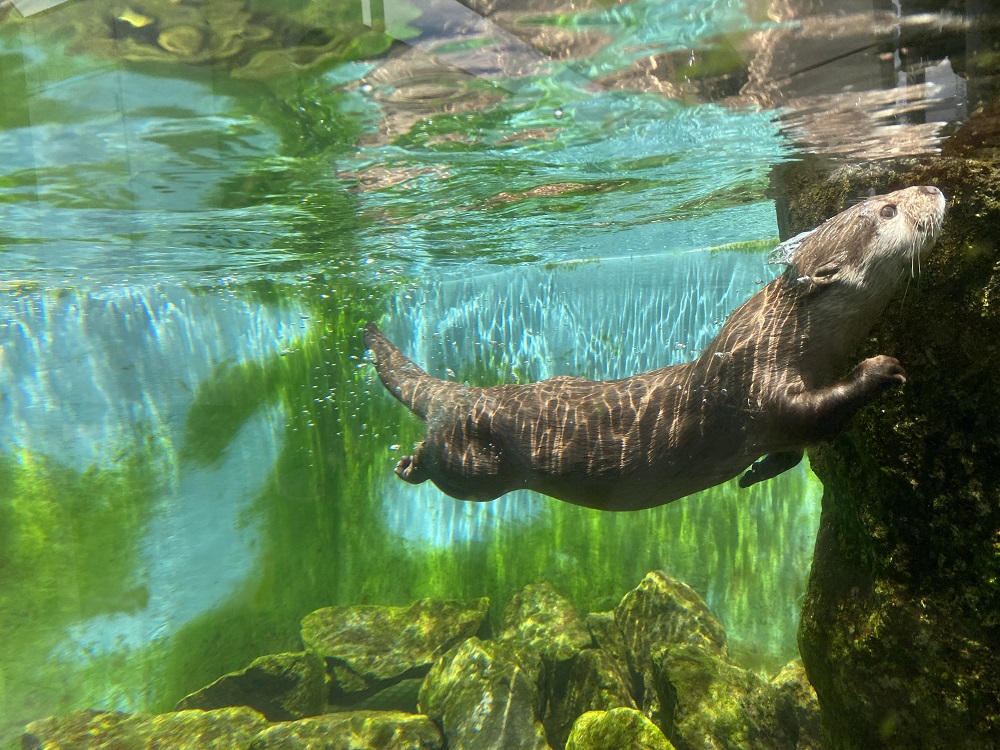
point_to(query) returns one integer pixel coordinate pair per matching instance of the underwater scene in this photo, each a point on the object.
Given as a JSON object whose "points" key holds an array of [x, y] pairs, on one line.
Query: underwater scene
{"points": [[203, 538]]}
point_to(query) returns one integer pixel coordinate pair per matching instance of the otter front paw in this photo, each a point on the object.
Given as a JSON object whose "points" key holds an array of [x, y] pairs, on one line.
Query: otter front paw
{"points": [[880, 372]]}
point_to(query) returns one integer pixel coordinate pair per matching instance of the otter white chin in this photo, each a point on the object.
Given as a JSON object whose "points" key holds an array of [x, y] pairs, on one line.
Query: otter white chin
{"points": [[764, 389]]}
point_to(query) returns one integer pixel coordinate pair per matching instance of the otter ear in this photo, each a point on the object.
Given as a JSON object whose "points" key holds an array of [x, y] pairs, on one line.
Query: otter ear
{"points": [[825, 275], [818, 280]]}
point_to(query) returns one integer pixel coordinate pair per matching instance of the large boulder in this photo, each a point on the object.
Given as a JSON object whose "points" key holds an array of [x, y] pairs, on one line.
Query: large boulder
{"points": [[483, 698], [900, 630], [353, 730], [367, 648], [222, 729], [280, 686]]}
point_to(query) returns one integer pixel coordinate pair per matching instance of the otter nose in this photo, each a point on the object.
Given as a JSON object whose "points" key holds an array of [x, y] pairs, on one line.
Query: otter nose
{"points": [[929, 190]]}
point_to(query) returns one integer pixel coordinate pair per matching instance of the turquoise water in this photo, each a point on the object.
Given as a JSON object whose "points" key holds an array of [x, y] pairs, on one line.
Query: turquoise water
{"points": [[193, 453]]}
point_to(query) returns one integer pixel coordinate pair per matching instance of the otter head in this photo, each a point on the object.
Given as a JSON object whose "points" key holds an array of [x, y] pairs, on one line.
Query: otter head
{"points": [[860, 255]]}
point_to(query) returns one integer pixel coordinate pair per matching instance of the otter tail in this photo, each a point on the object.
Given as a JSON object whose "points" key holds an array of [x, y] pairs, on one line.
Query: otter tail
{"points": [[413, 387]]}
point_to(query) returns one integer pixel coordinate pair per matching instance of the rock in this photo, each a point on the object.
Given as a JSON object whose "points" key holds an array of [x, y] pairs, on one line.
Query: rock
{"points": [[608, 637], [399, 696], [798, 706], [617, 729], [483, 699], [595, 683], [544, 628], [368, 647], [899, 625], [663, 611], [280, 686], [357, 730], [222, 729], [540, 617], [714, 703]]}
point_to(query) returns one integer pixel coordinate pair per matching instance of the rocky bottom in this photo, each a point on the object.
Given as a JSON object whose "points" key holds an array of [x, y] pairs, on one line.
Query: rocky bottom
{"points": [[653, 674]]}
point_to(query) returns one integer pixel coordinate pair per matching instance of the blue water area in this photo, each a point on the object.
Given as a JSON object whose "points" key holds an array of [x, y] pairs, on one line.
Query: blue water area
{"points": [[193, 452]]}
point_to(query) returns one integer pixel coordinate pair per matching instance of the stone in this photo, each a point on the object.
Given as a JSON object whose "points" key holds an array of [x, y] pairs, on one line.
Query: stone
{"points": [[608, 637], [715, 703], [798, 706], [663, 611], [595, 683], [280, 686], [356, 730], [221, 729], [368, 647], [399, 696], [547, 621], [617, 729], [483, 699]]}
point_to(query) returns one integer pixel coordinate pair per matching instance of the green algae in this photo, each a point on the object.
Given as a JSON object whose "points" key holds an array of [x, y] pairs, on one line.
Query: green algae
{"points": [[69, 549]]}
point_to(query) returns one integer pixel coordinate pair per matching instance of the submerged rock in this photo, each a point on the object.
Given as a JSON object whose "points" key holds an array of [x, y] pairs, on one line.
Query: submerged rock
{"points": [[546, 621], [663, 611], [358, 730], [368, 647], [617, 729], [595, 683], [798, 706], [483, 698], [899, 626], [280, 686], [714, 703], [222, 729]]}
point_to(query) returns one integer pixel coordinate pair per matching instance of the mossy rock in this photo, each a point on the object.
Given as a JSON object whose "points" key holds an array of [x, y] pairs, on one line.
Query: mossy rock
{"points": [[280, 686], [368, 647], [798, 706], [483, 699], [617, 729], [662, 611], [595, 683], [222, 729], [899, 627], [715, 703], [539, 616], [357, 730]]}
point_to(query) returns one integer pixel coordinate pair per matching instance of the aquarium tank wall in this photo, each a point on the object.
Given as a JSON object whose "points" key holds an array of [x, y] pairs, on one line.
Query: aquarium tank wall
{"points": [[202, 204]]}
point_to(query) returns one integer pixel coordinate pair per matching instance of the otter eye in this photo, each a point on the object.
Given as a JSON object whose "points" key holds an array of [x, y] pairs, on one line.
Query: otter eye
{"points": [[888, 211]]}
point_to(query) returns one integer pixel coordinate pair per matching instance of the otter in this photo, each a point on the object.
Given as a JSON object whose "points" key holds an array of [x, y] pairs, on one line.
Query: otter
{"points": [[762, 391]]}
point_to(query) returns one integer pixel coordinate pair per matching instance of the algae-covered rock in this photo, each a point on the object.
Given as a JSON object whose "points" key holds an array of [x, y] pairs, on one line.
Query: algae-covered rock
{"points": [[483, 699], [899, 626], [595, 683], [280, 686], [222, 729], [608, 637], [714, 703], [357, 730], [798, 706], [547, 621], [366, 647], [663, 611], [617, 729]]}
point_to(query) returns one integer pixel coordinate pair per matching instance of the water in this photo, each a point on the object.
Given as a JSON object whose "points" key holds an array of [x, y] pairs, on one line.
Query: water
{"points": [[199, 212]]}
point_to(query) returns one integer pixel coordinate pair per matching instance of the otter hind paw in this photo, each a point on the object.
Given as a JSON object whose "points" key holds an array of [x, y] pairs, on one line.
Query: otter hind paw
{"points": [[407, 470]]}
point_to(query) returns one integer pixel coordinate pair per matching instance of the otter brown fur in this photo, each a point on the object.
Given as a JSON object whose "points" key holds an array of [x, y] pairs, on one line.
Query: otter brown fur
{"points": [[763, 389]]}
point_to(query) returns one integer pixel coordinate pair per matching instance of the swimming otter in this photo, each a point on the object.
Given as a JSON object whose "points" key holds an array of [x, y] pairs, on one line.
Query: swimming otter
{"points": [[761, 391]]}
